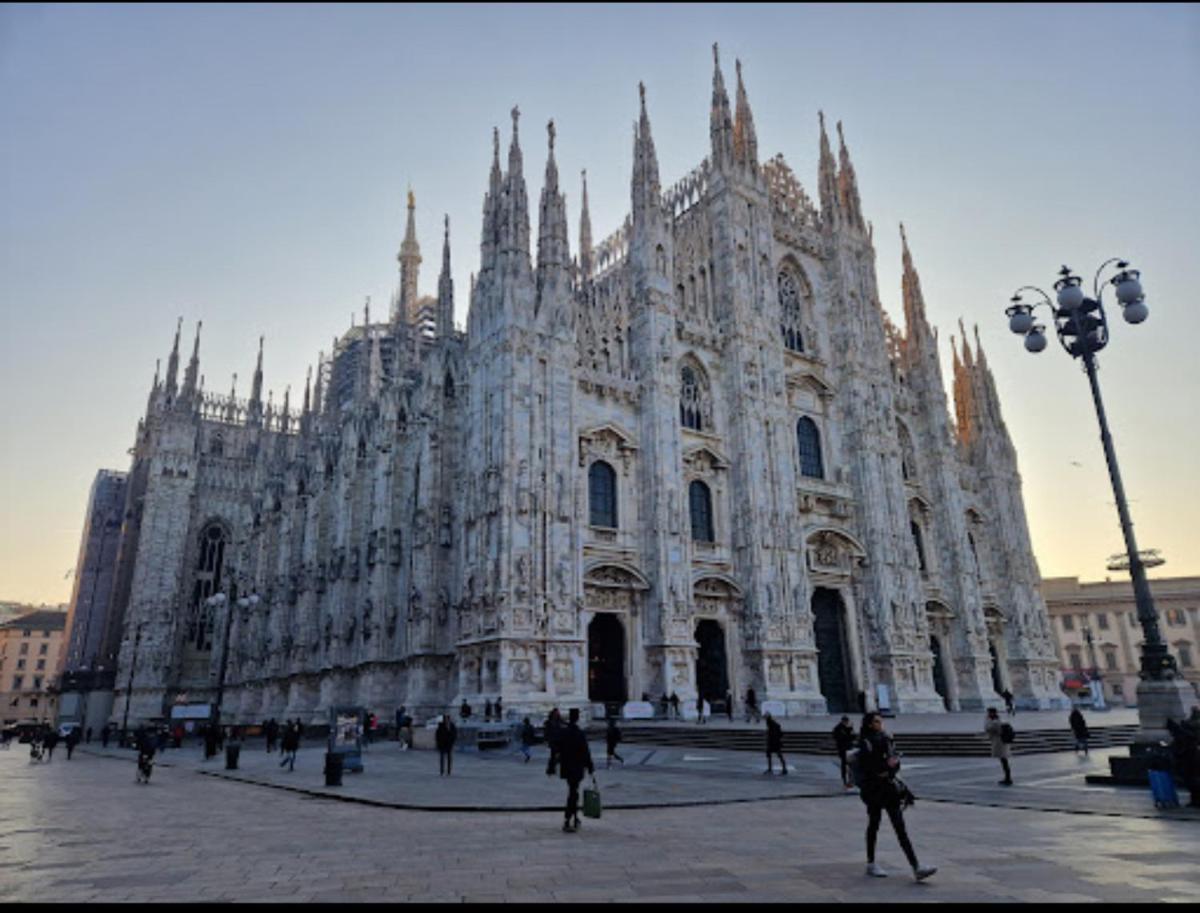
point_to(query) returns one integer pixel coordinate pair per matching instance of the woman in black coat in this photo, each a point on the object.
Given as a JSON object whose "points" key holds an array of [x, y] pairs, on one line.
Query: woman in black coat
{"points": [[882, 792]]}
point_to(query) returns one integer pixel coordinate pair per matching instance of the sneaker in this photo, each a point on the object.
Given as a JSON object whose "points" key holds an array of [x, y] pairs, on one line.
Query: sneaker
{"points": [[875, 870], [921, 872], [567, 829], [768, 772], [784, 772], [1004, 783]]}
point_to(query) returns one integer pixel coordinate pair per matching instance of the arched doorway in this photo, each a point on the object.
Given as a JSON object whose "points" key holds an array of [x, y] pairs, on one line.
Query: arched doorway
{"points": [[712, 675], [833, 667], [997, 681], [606, 659], [939, 672]]}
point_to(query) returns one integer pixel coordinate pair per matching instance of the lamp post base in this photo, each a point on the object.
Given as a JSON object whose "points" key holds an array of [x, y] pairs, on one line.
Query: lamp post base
{"points": [[1158, 701]]}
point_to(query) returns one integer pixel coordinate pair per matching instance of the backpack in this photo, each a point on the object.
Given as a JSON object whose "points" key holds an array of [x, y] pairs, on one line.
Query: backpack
{"points": [[856, 767], [1007, 734]]}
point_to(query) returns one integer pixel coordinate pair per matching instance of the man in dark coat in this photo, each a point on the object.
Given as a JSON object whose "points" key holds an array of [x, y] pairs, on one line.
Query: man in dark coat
{"points": [[48, 742], [1079, 727], [774, 744], [72, 740], [843, 740], [574, 757], [553, 728], [445, 737]]}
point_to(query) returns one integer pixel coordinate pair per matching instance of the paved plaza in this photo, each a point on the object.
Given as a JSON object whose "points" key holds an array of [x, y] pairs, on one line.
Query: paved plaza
{"points": [[679, 825]]}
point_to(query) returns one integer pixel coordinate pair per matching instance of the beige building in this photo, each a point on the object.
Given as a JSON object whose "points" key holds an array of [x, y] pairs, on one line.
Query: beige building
{"points": [[1106, 611], [30, 650]]}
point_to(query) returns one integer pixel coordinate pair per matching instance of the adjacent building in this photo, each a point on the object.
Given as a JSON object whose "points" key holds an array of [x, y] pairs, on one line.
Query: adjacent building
{"points": [[692, 457], [31, 649], [1099, 635]]}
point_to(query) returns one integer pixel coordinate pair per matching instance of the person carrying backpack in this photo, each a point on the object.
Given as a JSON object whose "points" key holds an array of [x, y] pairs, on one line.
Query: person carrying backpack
{"points": [[1001, 735]]}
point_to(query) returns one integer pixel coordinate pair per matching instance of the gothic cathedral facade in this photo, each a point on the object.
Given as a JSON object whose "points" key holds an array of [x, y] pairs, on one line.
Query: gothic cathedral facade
{"points": [[696, 457]]}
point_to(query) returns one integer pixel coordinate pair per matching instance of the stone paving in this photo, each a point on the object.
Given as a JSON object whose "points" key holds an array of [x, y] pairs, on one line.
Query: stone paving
{"points": [[84, 831]]}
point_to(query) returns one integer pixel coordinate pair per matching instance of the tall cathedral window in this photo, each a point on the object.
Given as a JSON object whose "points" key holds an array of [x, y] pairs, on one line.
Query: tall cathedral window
{"points": [[208, 579], [919, 542], [793, 293], [700, 506], [808, 440], [695, 408], [602, 495]]}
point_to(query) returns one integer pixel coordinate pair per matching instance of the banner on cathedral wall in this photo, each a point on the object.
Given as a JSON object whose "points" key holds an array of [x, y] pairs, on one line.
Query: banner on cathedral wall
{"points": [[191, 711]]}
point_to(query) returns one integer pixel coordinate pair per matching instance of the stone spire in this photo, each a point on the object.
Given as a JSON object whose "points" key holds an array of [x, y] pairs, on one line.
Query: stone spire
{"points": [[192, 373], [410, 264], [173, 361], [514, 217], [720, 125], [827, 180], [445, 303], [318, 388], [307, 392], [745, 140], [585, 235], [553, 247], [847, 184], [645, 188], [915, 321], [285, 414], [254, 406]]}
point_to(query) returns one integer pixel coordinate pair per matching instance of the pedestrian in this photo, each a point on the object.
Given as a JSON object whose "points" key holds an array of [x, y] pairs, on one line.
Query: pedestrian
{"points": [[487, 711], [882, 791], [291, 744], [843, 741], [464, 711], [48, 742], [1185, 755], [88, 736], [498, 711], [553, 729], [1001, 736], [145, 760], [612, 738], [445, 737], [774, 744], [104, 734], [1009, 706], [674, 705], [752, 706], [72, 740], [664, 704], [528, 738], [700, 708], [729, 704], [177, 736], [403, 732], [574, 758], [1079, 727]]}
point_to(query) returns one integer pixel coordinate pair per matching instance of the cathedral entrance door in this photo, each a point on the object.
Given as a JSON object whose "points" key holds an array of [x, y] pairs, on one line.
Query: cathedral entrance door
{"points": [[829, 630], [939, 672], [997, 681], [606, 659], [712, 676]]}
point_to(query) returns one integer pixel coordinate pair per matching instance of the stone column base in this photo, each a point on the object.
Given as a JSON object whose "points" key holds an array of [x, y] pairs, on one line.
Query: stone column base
{"points": [[1159, 701]]}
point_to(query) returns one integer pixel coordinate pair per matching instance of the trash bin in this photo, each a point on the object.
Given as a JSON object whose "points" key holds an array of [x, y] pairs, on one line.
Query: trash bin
{"points": [[333, 769], [231, 756]]}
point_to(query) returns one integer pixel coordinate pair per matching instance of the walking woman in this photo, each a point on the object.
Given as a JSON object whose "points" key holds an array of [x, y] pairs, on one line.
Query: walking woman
{"points": [[881, 792]]}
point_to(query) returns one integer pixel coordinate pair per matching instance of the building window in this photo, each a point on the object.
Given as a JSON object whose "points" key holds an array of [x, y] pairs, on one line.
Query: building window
{"points": [[793, 290], [1102, 621], [695, 409], [1118, 690], [41, 664], [808, 440], [700, 505], [602, 495], [208, 579], [20, 664], [919, 543], [26, 633], [1185, 655], [1068, 622], [24, 649], [37, 683], [1176, 618], [1110, 660], [1076, 661], [42, 649]]}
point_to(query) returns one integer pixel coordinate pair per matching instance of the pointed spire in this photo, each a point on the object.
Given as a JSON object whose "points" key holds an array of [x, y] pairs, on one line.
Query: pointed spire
{"points": [[745, 140], [585, 234], [827, 180], [848, 183], [489, 240], [193, 368], [646, 190], [410, 264], [173, 360], [318, 388], [285, 415], [914, 300], [720, 126], [553, 248], [968, 361], [254, 405], [514, 219], [157, 369], [307, 391], [445, 305]]}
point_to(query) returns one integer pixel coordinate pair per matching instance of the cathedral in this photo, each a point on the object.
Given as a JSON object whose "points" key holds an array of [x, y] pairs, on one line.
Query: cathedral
{"points": [[693, 457]]}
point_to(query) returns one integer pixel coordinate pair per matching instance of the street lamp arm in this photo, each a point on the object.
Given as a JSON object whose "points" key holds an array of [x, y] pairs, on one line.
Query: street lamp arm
{"points": [[1121, 264]]}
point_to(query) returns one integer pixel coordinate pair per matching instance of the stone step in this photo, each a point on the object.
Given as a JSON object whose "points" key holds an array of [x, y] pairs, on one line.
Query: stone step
{"points": [[931, 744]]}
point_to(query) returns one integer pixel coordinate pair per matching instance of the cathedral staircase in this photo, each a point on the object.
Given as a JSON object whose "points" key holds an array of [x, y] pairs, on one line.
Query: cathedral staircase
{"points": [[924, 744]]}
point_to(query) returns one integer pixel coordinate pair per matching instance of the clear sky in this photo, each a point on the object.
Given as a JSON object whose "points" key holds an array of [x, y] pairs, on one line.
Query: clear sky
{"points": [[247, 166]]}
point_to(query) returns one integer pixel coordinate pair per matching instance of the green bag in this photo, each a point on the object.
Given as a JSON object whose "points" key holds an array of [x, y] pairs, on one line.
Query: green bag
{"points": [[591, 801]]}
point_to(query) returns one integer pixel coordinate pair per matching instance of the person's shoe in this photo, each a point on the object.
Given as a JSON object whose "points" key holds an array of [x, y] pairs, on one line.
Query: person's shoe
{"points": [[768, 772], [875, 870], [921, 872], [576, 822], [1005, 783], [567, 829], [784, 772]]}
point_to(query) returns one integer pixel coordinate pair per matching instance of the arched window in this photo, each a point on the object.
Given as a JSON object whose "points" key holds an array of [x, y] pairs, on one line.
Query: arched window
{"points": [[919, 543], [602, 495], [700, 505], [208, 579], [695, 408], [808, 439], [793, 291]]}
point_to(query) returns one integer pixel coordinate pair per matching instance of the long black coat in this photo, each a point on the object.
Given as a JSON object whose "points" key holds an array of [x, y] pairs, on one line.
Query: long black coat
{"points": [[446, 735], [574, 756], [774, 736]]}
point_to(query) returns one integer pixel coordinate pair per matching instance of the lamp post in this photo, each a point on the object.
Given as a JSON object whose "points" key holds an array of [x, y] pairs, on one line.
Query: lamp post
{"points": [[1082, 328], [217, 600], [137, 640]]}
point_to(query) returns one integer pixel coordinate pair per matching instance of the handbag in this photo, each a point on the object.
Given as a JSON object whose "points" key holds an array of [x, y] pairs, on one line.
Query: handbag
{"points": [[591, 801]]}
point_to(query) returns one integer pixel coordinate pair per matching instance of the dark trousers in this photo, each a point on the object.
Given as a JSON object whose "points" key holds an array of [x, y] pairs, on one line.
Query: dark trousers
{"points": [[572, 809], [845, 765], [779, 754], [445, 761], [875, 815], [1007, 771]]}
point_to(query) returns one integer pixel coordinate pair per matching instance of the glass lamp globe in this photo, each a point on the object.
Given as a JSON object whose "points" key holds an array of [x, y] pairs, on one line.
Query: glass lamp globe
{"points": [[1136, 312], [1035, 340], [1020, 322], [1070, 296], [1129, 289]]}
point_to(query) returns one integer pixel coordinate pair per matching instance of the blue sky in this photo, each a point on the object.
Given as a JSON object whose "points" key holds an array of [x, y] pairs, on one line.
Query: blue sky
{"points": [[247, 166]]}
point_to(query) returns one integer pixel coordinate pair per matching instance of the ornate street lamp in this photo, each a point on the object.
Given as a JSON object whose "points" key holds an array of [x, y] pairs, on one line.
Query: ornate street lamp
{"points": [[217, 601], [1082, 328]]}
